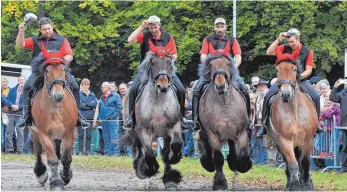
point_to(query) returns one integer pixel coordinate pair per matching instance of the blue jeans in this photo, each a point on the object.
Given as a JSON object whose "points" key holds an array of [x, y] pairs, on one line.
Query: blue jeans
{"points": [[81, 138], [10, 131], [27, 141], [2, 136], [259, 152], [110, 132], [188, 148]]}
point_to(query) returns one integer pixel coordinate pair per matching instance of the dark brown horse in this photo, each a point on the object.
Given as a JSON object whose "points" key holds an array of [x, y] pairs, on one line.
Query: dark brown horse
{"points": [[157, 115], [55, 116], [292, 125], [223, 116]]}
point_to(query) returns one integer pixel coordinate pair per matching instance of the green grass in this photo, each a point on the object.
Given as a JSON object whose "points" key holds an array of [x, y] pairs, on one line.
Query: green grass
{"points": [[258, 176]]}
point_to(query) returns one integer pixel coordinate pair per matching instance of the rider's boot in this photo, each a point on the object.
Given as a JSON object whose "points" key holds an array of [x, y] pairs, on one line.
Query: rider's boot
{"points": [[185, 124], [195, 112], [317, 104], [245, 92]]}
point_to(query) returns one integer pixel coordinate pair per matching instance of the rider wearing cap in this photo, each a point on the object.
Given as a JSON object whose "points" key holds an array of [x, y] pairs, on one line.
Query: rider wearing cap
{"points": [[52, 43], [297, 49], [218, 43], [153, 40]]}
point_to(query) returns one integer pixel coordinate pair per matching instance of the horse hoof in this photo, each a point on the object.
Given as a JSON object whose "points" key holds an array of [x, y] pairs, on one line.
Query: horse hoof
{"points": [[244, 164], [294, 186], [206, 164], [171, 186], [43, 178], [219, 182], [146, 169], [173, 176], [57, 185], [66, 176]]}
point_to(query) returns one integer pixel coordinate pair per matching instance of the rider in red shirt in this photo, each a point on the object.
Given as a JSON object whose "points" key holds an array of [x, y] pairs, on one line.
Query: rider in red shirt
{"points": [[154, 40], [51, 43], [218, 43], [296, 49]]}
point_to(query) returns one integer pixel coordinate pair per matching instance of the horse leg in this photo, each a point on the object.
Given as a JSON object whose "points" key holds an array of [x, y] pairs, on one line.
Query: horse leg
{"points": [[171, 177], [174, 152], [40, 168], [244, 162], [293, 183], [57, 143], [206, 158], [305, 164], [66, 172], [55, 181], [219, 181], [232, 156], [148, 165]]}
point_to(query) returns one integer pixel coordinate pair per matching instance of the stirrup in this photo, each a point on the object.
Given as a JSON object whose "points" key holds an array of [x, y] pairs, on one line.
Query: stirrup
{"points": [[319, 130], [128, 124]]}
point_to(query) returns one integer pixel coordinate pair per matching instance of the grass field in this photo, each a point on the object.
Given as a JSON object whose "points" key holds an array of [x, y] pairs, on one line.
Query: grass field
{"points": [[259, 175]]}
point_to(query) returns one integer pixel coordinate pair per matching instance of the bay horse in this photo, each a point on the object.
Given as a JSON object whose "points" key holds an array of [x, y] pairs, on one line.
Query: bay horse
{"points": [[292, 124], [223, 117], [55, 114], [157, 114]]}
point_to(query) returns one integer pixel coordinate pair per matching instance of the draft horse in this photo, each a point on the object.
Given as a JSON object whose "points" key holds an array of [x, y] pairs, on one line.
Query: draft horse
{"points": [[223, 117], [157, 114], [292, 124], [55, 114]]}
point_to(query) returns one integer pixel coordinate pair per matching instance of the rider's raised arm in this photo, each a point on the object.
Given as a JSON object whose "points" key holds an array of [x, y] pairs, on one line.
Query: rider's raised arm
{"points": [[20, 37], [133, 37], [273, 46]]}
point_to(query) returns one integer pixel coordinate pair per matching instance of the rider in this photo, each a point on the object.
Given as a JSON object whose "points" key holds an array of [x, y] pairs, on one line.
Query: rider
{"points": [[159, 38], [218, 43], [297, 49], [49, 39]]}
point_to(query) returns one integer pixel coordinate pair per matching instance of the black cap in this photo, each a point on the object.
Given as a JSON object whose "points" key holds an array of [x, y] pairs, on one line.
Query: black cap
{"points": [[263, 82], [315, 79]]}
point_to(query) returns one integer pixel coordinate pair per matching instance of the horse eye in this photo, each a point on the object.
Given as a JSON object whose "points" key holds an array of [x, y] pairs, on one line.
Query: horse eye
{"points": [[295, 70]]}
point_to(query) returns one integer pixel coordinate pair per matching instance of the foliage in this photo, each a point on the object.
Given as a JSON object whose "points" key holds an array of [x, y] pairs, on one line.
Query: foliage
{"points": [[98, 32]]}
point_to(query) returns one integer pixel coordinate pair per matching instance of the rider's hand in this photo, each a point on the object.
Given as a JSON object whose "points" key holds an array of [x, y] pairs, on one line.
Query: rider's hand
{"points": [[144, 24], [22, 27], [337, 83], [282, 36]]}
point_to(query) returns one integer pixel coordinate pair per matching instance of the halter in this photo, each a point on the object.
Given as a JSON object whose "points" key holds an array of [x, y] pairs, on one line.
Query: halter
{"points": [[161, 72], [49, 84], [286, 81], [220, 72]]}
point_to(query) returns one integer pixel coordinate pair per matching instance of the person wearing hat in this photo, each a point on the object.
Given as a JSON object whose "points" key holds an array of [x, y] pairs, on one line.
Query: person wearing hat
{"points": [[293, 50], [162, 40], [218, 43], [314, 82], [108, 109], [48, 39]]}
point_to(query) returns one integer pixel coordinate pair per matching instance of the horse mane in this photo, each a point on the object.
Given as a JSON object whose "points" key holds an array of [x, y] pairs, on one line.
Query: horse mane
{"points": [[145, 66], [205, 67], [39, 81]]}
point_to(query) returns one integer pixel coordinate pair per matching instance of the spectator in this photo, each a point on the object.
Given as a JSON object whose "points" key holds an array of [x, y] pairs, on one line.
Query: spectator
{"points": [[324, 91], [258, 149], [125, 149], [4, 120], [341, 97], [314, 81], [114, 88], [88, 103], [110, 105], [188, 149], [4, 86], [254, 81], [15, 98]]}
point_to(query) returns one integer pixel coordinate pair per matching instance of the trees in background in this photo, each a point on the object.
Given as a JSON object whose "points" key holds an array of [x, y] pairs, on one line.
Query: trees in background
{"points": [[98, 32]]}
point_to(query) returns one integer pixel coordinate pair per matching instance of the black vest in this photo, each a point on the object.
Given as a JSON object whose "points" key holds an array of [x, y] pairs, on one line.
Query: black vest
{"points": [[302, 58], [53, 44], [163, 41], [220, 43]]}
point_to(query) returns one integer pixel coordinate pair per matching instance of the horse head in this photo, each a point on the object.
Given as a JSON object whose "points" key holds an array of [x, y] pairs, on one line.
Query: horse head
{"points": [[220, 72], [55, 79], [287, 76]]}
